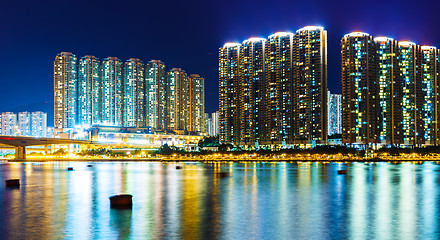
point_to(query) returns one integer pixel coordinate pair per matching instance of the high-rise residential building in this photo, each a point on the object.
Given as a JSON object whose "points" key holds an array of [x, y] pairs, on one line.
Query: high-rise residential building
{"points": [[212, 123], [111, 92], [134, 93], [390, 91], [278, 89], [196, 104], [229, 80], [277, 96], [412, 99], [208, 124], [65, 90], [28, 124], [9, 124], [359, 87], [430, 116], [89, 91], [178, 97], [24, 124], [310, 85], [334, 114], [389, 97], [155, 78], [251, 84], [50, 133], [38, 124], [215, 123], [128, 94]]}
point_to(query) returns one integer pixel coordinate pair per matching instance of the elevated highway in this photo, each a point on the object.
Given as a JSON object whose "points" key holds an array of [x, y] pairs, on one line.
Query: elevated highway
{"points": [[20, 143]]}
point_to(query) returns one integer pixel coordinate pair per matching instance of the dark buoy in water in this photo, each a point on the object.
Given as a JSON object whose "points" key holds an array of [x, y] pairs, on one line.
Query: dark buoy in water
{"points": [[223, 174], [178, 167], [90, 165], [121, 201], [12, 183], [342, 172], [70, 169]]}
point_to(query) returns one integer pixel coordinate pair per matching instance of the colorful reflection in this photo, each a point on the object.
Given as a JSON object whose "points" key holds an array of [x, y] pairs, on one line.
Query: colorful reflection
{"points": [[253, 201]]}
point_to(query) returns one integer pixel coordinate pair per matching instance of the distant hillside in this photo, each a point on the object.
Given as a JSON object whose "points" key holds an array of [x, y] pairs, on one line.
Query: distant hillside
{"points": [[33, 107]]}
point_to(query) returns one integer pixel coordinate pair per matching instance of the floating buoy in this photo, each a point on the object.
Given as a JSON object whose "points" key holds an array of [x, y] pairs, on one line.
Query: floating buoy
{"points": [[178, 167], [121, 201], [70, 169], [12, 183], [342, 172], [223, 174]]}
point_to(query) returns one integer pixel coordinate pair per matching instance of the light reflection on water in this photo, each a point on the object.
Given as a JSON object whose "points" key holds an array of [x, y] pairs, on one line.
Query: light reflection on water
{"points": [[257, 201]]}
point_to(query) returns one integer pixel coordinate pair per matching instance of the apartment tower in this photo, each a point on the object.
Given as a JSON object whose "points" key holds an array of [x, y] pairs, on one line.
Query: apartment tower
{"points": [[251, 98], [89, 91], [134, 93], [65, 90], [111, 92], [155, 78], [309, 98], [278, 88], [229, 90], [359, 88], [196, 104]]}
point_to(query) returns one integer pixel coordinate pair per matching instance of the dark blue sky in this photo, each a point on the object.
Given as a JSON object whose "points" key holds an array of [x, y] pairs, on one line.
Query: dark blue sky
{"points": [[184, 34]]}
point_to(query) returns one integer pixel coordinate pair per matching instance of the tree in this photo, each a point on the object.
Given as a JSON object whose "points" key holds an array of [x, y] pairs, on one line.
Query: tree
{"points": [[165, 150], [209, 141], [224, 147]]}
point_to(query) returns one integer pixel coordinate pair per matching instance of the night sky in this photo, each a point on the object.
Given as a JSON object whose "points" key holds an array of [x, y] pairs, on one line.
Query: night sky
{"points": [[185, 34]]}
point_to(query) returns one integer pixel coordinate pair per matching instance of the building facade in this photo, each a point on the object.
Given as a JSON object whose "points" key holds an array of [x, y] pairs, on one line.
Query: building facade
{"points": [[277, 117], [310, 85], [111, 92], [196, 104], [412, 99], [24, 124], [9, 124], [334, 114], [31, 124], [251, 84], [130, 94], [389, 92], [430, 71], [215, 124], [178, 97], [134, 93], [229, 90], [273, 92], [208, 124], [65, 90], [358, 71], [39, 124], [155, 78], [89, 91]]}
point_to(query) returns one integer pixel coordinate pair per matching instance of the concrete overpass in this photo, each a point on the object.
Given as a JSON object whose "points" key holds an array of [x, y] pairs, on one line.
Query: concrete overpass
{"points": [[20, 143]]}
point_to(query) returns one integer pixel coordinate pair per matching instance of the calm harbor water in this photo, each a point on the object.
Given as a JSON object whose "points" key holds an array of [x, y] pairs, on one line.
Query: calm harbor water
{"points": [[257, 201]]}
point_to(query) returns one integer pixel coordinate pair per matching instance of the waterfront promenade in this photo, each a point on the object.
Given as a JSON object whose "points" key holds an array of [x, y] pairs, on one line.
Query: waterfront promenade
{"points": [[324, 158]]}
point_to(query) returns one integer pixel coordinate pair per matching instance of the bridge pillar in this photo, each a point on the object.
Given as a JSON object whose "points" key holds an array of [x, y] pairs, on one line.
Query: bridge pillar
{"points": [[20, 153]]}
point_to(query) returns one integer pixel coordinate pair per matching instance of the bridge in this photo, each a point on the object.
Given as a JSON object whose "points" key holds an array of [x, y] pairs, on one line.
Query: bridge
{"points": [[20, 143]]}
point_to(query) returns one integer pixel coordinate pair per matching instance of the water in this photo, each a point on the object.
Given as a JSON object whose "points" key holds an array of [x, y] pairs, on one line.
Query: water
{"points": [[257, 201]]}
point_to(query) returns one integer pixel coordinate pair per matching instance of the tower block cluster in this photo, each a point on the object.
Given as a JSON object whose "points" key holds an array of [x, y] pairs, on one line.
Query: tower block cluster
{"points": [[273, 92], [126, 94], [390, 91]]}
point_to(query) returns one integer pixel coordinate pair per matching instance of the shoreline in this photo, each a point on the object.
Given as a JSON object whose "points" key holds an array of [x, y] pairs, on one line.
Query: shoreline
{"points": [[226, 160]]}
